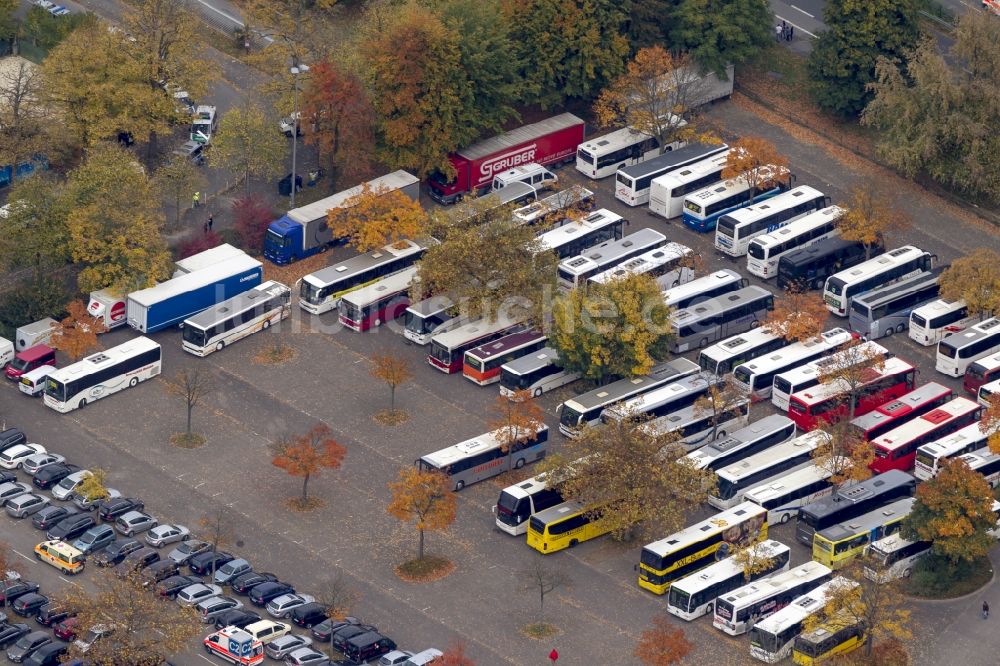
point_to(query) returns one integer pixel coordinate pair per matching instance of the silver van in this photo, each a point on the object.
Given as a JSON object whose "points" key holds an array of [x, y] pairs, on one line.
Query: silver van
{"points": [[23, 506], [423, 657], [95, 538]]}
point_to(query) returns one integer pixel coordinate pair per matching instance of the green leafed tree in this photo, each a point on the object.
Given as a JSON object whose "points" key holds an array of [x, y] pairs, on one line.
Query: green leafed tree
{"points": [[649, 22], [842, 62], [567, 49], [35, 234], [617, 329], [716, 33], [248, 144]]}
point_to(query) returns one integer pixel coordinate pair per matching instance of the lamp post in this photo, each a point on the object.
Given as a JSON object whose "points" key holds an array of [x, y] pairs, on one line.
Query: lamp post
{"points": [[295, 70]]}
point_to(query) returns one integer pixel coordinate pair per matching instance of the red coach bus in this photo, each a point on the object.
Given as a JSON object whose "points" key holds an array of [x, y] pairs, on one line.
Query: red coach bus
{"points": [[897, 449], [448, 349], [901, 410], [377, 303], [482, 364]]}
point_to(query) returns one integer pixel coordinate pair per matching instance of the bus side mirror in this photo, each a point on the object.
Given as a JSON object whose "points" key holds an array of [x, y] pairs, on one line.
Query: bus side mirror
{"points": [[493, 509]]}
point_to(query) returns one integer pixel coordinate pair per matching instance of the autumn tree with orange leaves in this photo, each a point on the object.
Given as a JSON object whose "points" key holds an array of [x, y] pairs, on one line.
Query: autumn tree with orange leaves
{"points": [[797, 315], [423, 498], [758, 162], [989, 422], [76, 335], [377, 217], [663, 644], [393, 370], [870, 216], [306, 456], [454, 656], [518, 418], [338, 120]]}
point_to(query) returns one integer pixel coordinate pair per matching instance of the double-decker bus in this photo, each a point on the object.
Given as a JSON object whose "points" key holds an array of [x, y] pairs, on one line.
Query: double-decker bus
{"points": [[760, 435], [551, 207], [785, 495], [808, 268], [930, 323], [223, 324], [695, 594], [564, 526], [575, 271], [929, 456], [837, 636], [986, 463], [885, 269], [720, 359], [981, 372], [806, 376], [765, 251], [756, 377], [702, 209], [838, 545], [705, 322], [851, 501], [987, 393], [522, 500], [695, 428], [693, 548], [602, 156], [740, 609], [448, 348], [663, 400], [482, 364], [886, 310], [423, 320], [740, 476], [897, 449], [574, 238], [735, 230], [102, 374], [703, 289], [536, 373], [771, 639], [486, 456], [829, 402], [896, 412], [893, 557], [632, 183], [667, 192], [586, 408], [379, 302], [321, 291], [959, 350], [668, 263]]}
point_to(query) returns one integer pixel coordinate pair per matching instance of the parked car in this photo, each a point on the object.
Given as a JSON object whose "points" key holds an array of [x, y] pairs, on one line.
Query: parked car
{"points": [[64, 489], [52, 614], [110, 509], [12, 489], [91, 503], [94, 634], [116, 551], [191, 150], [230, 570], [32, 464], [25, 505], [50, 654], [395, 658], [308, 614], [13, 457], [342, 635], [27, 644], [161, 535], [134, 522], [135, 561], [11, 633], [281, 607], [50, 475], [239, 617], [169, 587], [322, 631], [28, 605], [158, 571], [94, 539], [188, 549], [66, 629], [245, 582], [211, 608], [261, 594], [51, 515], [71, 527], [365, 647], [192, 594], [204, 563], [6, 476], [266, 631], [279, 648], [16, 589], [11, 437], [305, 655]]}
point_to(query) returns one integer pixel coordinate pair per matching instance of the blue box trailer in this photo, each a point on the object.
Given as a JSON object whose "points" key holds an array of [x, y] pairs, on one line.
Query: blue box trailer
{"points": [[303, 231], [175, 300]]}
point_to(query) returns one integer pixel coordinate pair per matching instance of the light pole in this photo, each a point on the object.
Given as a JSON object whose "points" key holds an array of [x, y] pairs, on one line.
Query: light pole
{"points": [[295, 70]]}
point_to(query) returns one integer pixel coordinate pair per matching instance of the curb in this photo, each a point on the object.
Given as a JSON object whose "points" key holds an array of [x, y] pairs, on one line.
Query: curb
{"points": [[921, 600]]}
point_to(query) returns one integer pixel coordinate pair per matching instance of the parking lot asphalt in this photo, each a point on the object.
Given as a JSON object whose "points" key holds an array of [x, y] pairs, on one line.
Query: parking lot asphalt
{"points": [[601, 613]]}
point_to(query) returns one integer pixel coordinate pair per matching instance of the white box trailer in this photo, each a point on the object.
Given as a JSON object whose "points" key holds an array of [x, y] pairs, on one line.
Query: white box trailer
{"points": [[37, 333]]}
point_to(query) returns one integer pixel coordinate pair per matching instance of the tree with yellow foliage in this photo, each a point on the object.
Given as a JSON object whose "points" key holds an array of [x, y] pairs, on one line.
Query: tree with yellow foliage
{"points": [[870, 217], [797, 315], [756, 161], [424, 499], [975, 279], [377, 217]]}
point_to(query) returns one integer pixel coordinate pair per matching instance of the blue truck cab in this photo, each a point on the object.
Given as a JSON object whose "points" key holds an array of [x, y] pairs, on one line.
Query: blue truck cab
{"points": [[283, 242]]}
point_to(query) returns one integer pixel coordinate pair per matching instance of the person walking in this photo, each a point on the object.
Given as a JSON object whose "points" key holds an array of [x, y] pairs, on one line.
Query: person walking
{"points": [[779, 32], [791, 32], [210, 222], [196, 199], [986, 610]]}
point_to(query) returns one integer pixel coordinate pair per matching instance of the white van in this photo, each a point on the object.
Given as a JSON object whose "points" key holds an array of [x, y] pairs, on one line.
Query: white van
{"points": [[37, 333], [33, 383], [6, 352], [428, 656], [532, 174]]}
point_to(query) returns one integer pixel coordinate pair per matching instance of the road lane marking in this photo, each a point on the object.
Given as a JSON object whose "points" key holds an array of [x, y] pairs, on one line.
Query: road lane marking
{"points": [[23, 555], [803, 11], [71, 582], [207, 659], [800, 29]]}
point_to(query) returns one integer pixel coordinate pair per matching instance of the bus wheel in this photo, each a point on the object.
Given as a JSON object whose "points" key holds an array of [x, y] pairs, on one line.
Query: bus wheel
{"points": [[708, 609], [519, 464], [378, 322], [459, 486], [703, 343], [901, 328], [132, 382], [267, 324], [538, 392], [83, 403], [784, 518], [889, 332], [573, 542], [906, 573], [220, 346]]}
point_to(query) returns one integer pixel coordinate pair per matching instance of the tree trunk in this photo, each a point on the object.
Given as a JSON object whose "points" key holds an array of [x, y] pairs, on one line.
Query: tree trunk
{"points": [[392, 398], [190, 409], [305, 483], [420, 549], [541, 604]]}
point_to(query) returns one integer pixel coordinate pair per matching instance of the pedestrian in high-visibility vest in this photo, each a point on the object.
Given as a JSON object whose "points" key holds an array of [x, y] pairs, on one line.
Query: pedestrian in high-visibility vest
{"points": [[196, 199]]}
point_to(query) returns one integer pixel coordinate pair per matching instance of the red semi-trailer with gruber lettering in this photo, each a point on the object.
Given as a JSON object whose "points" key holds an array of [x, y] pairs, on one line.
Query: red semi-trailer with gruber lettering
{"points": [[552, 141]]}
